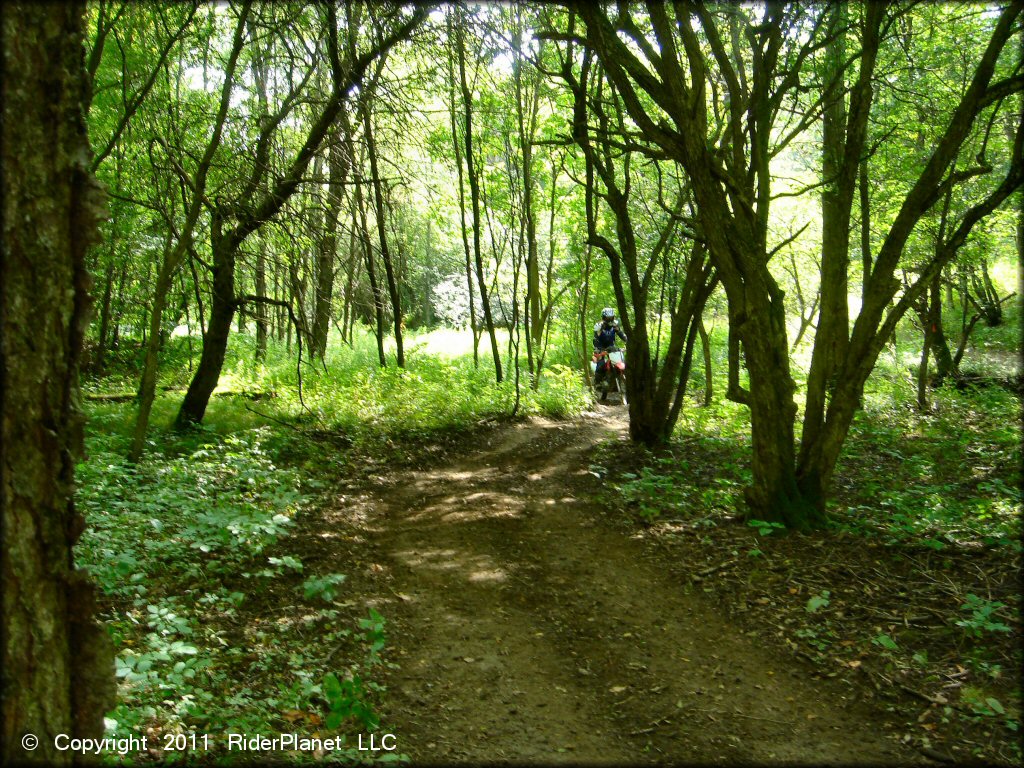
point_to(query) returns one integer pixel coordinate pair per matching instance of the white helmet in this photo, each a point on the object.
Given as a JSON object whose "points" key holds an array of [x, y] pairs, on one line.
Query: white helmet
{"points": [[608, 314]]}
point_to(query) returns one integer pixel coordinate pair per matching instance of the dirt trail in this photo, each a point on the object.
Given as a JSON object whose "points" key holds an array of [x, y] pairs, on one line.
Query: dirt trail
{"points": [[528, 627]]}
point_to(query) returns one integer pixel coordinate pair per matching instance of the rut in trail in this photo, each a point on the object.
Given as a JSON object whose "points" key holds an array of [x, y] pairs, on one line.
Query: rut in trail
{"points": [[529, 627]]}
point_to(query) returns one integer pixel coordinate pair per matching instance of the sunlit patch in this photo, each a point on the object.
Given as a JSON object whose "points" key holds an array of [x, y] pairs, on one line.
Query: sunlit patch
{"points": [[488, 575], [451, 476], [479, 569], [480, 496], [511, 508], [433, 558]]}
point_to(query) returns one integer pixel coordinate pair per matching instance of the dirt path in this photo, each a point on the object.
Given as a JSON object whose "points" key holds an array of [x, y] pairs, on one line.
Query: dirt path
{"points": [[528, 627]]}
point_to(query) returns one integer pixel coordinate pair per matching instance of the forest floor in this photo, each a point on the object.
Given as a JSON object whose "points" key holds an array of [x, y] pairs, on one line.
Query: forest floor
{"points": [[527, 623]]}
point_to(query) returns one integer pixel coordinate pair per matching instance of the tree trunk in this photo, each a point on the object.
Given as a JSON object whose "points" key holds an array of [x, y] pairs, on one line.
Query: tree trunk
{"points": [[426, 307], [922, 375], [935, 335], [385, 251], [371, 273], [774, 494], [262, 322], [280, 320], [259, 70], [101, 343], [527, 125], [56, 662], [462, 193], [705, 345], [215, 340], [757, 320], [844, 136], [173, 257], [225, 244], [349, 310], [474, 194], [655, 387], [147, 384], [118, 313], [328, 253]]}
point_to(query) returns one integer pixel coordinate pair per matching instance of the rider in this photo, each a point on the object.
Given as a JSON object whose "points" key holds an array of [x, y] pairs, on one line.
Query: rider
{"points": [[605, 333]]}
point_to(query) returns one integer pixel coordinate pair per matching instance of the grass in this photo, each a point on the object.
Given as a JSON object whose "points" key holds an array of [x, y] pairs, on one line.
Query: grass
{"points": [[209, 604]]}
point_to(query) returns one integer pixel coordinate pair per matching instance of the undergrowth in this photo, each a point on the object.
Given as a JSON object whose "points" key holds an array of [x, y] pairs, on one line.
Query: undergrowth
{"points": [[915, 584], [210, 609]]}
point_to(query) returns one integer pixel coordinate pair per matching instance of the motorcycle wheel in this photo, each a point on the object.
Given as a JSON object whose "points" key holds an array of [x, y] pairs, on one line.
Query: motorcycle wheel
{"points": [[620, 385]]}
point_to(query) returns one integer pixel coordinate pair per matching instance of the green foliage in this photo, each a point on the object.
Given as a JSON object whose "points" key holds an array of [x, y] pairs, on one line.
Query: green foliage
{"points": [[435, 392], [980, 620], [914, 488], [347, 698], [373, 636], [287, 562], [819, 601], [322, 586], [223, 499], [766, 528], [985, 706], [178, 544], [884, 641], [562, 393]]}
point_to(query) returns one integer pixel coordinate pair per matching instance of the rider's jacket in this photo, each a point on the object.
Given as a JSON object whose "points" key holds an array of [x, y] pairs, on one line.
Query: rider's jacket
{"points": [[604, 335]]}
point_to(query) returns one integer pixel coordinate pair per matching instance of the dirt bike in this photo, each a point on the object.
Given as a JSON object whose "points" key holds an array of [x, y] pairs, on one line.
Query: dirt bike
{"points": [[609, 369]]}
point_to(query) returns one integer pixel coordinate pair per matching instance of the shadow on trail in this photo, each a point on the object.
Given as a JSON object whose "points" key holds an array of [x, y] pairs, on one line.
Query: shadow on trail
{"points": [[531, 628]]}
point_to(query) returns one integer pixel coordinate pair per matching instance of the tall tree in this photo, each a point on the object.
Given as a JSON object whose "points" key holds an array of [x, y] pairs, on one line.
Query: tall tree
{"points": [[664, 78], [231, 222], [473, 176], [175, 251], [56, 661], [457, 149], [327, 254], [655, 385], [381, 214]]}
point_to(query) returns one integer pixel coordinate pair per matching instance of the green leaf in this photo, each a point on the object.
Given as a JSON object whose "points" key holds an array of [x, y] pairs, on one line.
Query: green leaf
{"points": [[818, 601], [332, 688], [765, 528], [886, 642], [995, 705]]}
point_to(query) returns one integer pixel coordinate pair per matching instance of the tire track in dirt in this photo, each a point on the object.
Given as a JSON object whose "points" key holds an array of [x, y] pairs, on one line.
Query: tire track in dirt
{"points": [[530, 629]]}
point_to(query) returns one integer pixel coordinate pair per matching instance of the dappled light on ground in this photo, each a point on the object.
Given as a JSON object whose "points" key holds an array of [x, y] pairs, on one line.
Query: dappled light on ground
{"points": [[530, 630]]}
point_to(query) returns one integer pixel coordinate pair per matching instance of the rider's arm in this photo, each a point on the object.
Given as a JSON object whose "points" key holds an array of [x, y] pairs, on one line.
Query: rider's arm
{"points": [[621, 334]]}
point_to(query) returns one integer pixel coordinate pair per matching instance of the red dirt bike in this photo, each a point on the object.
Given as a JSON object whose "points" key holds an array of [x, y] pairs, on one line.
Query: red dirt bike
{"points": [[609, 368]]}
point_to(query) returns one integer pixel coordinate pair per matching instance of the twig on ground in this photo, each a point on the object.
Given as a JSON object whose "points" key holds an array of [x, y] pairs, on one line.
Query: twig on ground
{"points": [[713, 569], [271, 418], [923, 696], [934, 754], [766, 719]]}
